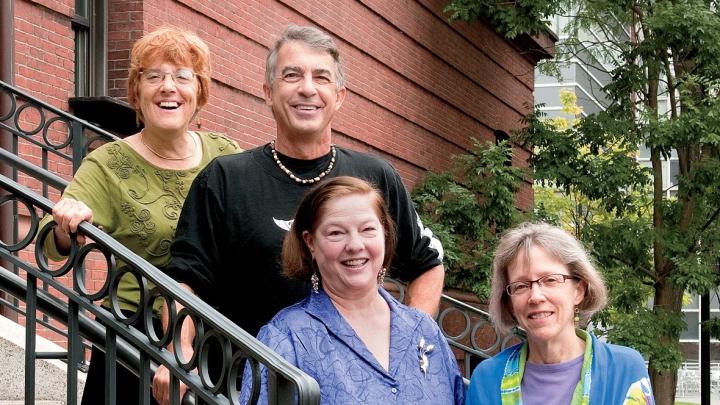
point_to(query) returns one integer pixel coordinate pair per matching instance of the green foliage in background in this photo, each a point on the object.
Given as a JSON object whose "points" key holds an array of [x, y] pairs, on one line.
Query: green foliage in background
{"points": [[662, 59], [466, 207], [509, 18]]}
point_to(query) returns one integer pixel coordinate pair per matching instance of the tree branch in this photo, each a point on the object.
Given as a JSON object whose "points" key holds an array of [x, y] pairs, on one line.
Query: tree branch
{"points": [[710, 220], [633, 266]]}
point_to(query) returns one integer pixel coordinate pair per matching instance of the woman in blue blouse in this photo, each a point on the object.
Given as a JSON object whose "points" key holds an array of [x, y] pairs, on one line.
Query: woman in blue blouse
{"points": [[359, 343], [544, 283]]}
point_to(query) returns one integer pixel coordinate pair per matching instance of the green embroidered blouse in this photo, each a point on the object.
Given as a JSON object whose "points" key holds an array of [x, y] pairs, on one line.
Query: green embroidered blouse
{"points": [[136, 202]]}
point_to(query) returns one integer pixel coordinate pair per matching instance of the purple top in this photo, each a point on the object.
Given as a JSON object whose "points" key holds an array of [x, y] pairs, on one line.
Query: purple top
{"points": [[544, 384]]}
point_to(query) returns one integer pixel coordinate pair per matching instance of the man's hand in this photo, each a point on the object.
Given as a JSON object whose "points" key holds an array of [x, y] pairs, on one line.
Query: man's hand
{"points": [[161, 386], [161, 381]]}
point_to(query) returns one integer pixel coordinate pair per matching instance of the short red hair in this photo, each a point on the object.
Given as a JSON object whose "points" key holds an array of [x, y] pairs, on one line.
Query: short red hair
{"points": [[172, 45]]}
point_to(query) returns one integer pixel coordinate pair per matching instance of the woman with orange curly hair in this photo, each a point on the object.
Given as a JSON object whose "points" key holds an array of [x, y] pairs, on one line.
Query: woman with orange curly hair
{"points": [[135, 188]]}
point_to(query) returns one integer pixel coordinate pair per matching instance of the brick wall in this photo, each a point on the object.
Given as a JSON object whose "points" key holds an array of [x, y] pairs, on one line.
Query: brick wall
{"points": [[419, 87], [125, 26], [44, 68]]}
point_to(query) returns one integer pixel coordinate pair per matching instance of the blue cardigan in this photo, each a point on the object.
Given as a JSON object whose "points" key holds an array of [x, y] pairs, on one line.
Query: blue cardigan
{"points": [[615, 371], [316, 338]]}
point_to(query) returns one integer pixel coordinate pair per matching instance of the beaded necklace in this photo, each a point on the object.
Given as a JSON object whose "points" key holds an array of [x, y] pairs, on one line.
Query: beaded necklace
{"points": [[298, 179]]}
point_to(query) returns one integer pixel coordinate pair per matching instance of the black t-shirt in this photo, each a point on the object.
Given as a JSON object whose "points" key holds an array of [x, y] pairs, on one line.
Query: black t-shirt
{"points": [[238, 210]]}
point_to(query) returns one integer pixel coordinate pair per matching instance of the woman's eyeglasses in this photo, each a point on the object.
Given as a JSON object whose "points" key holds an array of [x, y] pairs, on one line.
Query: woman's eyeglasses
{"points": [[182, 77], [548, 281]]}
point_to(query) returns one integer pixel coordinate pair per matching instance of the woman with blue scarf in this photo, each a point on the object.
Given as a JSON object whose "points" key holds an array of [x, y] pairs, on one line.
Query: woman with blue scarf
{"points": [[544, 283]]}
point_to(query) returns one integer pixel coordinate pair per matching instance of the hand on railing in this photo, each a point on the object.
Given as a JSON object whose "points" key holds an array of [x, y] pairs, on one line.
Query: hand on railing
{"points": [[68, 214], [161, 380], [161, 386]]}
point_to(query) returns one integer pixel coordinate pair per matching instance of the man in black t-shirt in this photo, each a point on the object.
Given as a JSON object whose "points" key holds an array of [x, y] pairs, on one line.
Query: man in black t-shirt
{"points": [[229, 236]]}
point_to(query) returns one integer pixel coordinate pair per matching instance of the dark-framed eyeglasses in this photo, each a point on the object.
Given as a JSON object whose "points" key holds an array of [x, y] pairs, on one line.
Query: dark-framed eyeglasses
{"points": [[547, 281], [182, 76]]}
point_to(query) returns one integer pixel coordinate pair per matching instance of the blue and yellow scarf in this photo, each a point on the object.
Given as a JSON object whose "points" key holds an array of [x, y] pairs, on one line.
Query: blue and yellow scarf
{"points": [[515, 368]]}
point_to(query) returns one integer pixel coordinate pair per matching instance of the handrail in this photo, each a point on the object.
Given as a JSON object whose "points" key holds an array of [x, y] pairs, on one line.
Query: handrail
{"points": [[58, 310], [37, 125], [27, 168], [454, 314], [466, 328], [235, 342], [34, 102], [39, 131]]}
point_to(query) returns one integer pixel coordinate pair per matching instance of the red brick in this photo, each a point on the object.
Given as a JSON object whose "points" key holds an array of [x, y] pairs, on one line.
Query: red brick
{"points": [[419, 86]]}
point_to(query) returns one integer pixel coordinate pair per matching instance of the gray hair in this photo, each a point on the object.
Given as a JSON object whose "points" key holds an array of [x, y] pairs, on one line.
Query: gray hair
{"points": [[561, 246], [312, 37]]}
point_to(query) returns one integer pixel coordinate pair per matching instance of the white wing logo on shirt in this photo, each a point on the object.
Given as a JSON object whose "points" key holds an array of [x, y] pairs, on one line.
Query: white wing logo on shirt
{"points": [[434, 242], [283, 224]]}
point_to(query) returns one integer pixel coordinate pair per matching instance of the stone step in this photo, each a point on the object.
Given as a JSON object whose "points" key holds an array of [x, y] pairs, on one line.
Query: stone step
{"points": [[20, 402], [50, 375]]}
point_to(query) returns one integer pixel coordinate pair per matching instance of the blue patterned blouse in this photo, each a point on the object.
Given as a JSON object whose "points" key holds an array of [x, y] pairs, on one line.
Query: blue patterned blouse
{"points": [[316, 338]]}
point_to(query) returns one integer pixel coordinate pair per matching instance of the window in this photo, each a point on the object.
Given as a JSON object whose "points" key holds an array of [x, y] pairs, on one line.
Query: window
{"points": [[674, 172], [90, 26], [692, 320]]}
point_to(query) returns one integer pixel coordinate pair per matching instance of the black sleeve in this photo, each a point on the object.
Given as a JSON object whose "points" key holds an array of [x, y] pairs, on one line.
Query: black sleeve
{"points": [[418, 250], [196, 250]]}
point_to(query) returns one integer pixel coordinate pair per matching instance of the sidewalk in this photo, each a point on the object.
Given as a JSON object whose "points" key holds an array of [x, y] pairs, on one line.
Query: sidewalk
{"points": [[695, 399]]}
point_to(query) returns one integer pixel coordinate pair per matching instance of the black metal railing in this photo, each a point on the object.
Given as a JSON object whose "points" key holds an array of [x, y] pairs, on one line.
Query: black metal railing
{"points": [[49, 135], [34, 124], [50, 130], [466, 328], [215, 333]]}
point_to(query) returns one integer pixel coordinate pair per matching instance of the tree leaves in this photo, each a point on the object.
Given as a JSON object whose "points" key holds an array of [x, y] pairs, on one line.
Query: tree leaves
{"points": [[467, 207], [653, 236]]}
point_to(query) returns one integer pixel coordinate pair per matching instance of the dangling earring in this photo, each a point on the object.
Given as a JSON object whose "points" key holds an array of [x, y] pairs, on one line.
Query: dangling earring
{"points": [[315, 281], [577, 317], [198, 122], [381, 277]]}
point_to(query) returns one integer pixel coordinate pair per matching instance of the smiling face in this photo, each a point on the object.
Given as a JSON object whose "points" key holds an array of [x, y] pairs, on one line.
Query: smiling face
{"points": [[167, 105], [303, 95], [348, 245], [546, 313]]}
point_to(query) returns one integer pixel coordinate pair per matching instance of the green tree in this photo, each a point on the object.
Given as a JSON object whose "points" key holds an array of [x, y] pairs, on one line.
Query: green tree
{"points": [[466, 207], [664, 96]]}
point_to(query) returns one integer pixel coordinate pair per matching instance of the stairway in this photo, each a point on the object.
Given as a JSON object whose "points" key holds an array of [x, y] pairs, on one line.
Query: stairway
{"points": [[50, 388]]}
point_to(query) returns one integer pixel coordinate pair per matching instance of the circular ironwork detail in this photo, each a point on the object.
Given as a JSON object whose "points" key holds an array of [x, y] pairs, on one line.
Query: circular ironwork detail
{"points": [[148, 315], [114, 299], [79, 278], [19, 112], [13, 105], [203, 366], [90, 139], [47, 128], [40, 257], [177, 339], [33, 224], [466, 317], [399, 285], [473, 337], [236, 367], [507, 340]]}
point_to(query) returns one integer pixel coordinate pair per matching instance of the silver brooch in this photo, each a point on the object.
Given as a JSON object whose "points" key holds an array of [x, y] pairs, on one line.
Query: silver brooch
{"points": [[422, 355]]}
